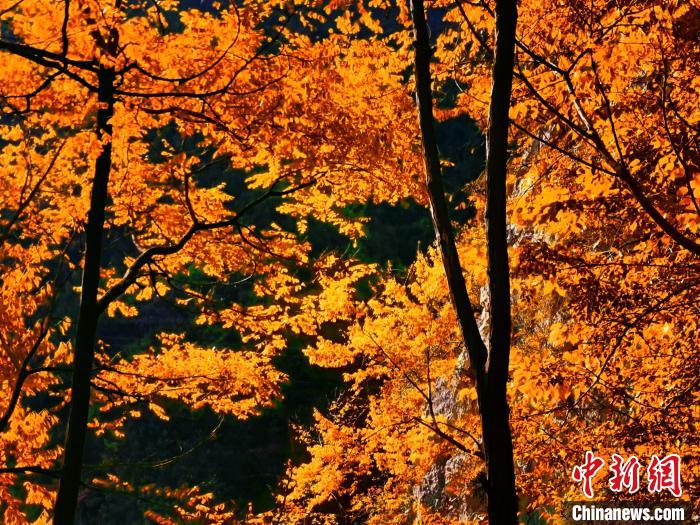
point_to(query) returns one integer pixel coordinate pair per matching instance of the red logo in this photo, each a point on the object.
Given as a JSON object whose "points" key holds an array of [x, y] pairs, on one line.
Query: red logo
{"points": [[662, 474]]}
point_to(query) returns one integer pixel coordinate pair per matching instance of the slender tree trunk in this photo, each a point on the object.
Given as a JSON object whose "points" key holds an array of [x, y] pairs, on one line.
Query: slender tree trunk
{"points": [[490, 367], [503, 504], [66, 501], [436, 196]]}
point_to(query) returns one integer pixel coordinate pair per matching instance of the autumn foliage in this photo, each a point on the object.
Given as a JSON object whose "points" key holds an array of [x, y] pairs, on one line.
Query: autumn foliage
{"points": [[245, 149]]}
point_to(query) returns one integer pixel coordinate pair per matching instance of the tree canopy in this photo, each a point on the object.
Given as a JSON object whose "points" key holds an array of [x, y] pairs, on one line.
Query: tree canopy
{"points": [[220, 299]]}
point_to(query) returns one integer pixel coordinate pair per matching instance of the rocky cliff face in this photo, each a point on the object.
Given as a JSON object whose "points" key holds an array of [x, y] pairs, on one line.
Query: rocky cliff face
{"points": [[442, 489]]}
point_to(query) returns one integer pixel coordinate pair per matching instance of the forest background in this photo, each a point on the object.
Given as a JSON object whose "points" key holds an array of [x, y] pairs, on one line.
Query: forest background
{"points": [[214, 217]]}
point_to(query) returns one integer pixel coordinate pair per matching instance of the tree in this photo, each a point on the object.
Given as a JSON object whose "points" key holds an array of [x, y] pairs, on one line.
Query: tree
{"points": [[489, 364], [600, 286], [240, 103]]}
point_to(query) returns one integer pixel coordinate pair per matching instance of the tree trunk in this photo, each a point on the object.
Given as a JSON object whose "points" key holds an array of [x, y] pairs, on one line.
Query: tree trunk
{"points": [[490, 367], [438, 207], [66, 500], [503, 504]]}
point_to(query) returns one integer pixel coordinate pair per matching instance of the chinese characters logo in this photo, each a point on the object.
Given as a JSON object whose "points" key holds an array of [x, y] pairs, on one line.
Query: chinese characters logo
{"points": [[662, 474]]}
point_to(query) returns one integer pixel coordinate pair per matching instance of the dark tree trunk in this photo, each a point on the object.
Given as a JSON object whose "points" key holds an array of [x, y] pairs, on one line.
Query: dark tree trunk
{"points": [[503, 504], [490, 367], [66, 500], [436, 196]]}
